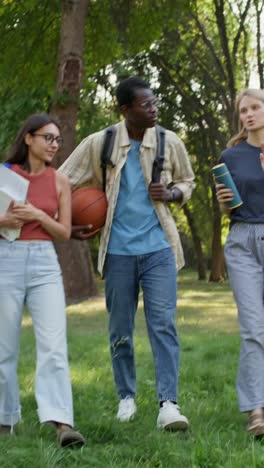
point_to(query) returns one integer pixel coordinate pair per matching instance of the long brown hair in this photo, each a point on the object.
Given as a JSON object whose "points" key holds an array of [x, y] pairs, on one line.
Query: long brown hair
{"points": [[242, 134], [18, 153]]}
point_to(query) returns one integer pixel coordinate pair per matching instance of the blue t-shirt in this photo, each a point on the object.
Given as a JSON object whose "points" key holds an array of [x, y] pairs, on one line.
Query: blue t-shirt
{"points": [[243, 162], [136, 229]]}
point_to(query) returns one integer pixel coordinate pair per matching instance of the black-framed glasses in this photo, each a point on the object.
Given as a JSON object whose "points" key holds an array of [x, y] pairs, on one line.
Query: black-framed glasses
{"points": [[151, 103], [50, 138]]}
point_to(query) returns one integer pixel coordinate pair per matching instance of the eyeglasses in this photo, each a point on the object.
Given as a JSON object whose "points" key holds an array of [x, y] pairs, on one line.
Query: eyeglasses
{"points": [[148, 104], [49, 138]]}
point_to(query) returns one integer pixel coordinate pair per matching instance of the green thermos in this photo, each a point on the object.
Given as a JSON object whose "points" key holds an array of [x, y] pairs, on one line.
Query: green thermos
{"points": [[222, 176]]}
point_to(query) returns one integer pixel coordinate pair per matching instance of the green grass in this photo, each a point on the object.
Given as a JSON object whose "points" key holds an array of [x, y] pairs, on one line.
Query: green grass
{"points": [[209, 337]]}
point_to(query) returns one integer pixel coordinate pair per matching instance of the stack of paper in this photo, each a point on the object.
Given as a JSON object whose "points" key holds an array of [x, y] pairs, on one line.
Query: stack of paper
{"points": [[12, 187]]}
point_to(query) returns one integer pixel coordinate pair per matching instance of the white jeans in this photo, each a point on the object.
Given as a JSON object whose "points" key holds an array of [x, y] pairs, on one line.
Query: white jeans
{"points": [[30, 275]]}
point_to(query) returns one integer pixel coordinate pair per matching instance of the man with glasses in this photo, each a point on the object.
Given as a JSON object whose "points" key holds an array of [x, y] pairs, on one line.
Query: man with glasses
{"points": [[140, 245]]}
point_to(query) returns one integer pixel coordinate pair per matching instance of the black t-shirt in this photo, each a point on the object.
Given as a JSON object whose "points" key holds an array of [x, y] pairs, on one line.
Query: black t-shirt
{"points": [[243, 162]]}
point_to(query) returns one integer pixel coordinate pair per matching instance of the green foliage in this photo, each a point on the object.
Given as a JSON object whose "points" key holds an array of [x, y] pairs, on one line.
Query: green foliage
{"points": [[95, 113], [196, 54], [102, 45], [209, 338], [117, 29], [16, 108], [147, 20], [29, 42], [199, 62]]}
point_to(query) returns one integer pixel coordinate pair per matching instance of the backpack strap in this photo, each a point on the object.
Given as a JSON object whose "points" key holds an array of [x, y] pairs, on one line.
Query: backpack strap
{"points": [[159, 160], [108, 145]]}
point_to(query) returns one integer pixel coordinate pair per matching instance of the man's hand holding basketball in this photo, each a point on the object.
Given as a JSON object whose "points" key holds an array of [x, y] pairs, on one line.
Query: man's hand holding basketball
{"points": [[83, 232]]}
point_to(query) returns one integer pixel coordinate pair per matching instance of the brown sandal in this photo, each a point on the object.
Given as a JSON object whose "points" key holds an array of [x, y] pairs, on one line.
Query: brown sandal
{"points": [[70, 438], [256, 422], [5, 430]]}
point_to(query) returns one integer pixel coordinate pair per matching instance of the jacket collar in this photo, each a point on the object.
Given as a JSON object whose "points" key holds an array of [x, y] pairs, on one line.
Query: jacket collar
{"points": [[148, 140]]}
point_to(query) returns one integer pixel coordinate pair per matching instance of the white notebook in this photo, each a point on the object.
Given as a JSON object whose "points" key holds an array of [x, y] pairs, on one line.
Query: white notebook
{"points": [[12, 187]]}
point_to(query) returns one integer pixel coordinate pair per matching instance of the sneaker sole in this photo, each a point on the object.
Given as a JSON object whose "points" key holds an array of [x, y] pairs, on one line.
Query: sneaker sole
{"points": [[127, 419], [175, 426]]}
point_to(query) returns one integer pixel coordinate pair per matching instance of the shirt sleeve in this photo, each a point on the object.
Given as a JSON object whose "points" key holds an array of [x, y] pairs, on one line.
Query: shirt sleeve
{"points": [[182, 173], [83, 165]]}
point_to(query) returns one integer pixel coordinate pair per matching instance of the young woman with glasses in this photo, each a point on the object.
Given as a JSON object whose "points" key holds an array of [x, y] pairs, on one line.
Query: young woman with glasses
{"points": [[30, 275]]}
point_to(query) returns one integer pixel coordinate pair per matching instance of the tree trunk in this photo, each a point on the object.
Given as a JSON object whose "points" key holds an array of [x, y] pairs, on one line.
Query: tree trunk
{"points": [[260, 62], [201, 263], [74, 256], [218, 270]]}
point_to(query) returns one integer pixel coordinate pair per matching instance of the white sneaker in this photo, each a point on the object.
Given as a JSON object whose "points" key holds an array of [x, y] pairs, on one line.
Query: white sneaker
{"points": [[126, 409], [170, 418]]}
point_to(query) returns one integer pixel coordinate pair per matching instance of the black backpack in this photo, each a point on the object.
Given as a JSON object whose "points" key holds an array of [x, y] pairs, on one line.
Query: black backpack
{"points": [[108, 145]]}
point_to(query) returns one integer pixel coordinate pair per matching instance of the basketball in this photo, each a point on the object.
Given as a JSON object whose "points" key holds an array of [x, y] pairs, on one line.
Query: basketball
{"points": [[89, 206]]}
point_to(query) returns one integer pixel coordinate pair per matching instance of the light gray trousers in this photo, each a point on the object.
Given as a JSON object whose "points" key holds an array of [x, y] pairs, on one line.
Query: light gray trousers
{"points": [[244, 255], [30, 274]]}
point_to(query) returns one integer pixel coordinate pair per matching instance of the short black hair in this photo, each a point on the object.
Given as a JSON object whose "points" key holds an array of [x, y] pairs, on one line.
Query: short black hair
{"points": [[125, 91]]}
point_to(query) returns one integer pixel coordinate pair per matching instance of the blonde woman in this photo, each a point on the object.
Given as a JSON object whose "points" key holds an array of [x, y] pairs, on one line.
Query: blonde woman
{"points": [[244, 250]]}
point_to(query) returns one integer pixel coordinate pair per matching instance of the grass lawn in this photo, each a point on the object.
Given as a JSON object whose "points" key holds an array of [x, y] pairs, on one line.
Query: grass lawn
{"points": [[209, 338]]}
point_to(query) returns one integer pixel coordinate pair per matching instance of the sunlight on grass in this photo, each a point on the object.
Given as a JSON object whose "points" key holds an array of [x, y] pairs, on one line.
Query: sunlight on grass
{"points": [[209, 338], [91, 374], [27, 321], [94, 306], [207, 315]]}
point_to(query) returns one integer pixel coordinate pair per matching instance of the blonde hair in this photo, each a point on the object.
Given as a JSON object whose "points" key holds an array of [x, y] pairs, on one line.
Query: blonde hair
{"points": [[242, 133]]}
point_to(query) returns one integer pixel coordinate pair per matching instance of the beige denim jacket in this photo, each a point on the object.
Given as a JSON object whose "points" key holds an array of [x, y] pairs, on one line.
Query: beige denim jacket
{"points": [[83, 168]]}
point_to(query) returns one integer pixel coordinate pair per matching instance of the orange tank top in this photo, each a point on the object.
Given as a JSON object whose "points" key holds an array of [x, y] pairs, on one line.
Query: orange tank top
{"points": [[42, 193]]}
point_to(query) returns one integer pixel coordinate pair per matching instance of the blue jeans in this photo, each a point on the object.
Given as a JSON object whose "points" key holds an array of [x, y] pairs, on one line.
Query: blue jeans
{"points": [[156, 274]]}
